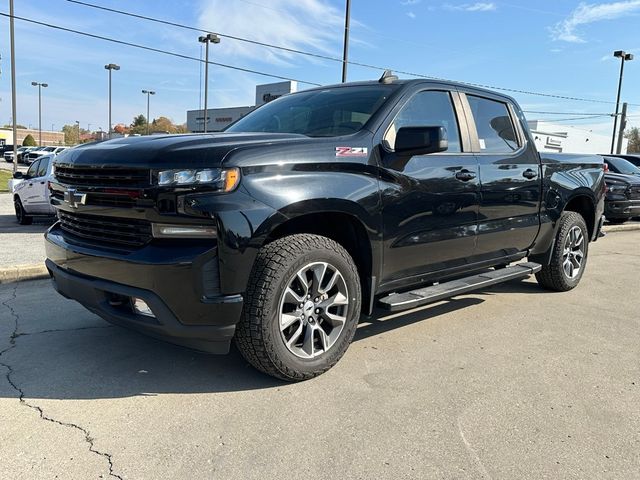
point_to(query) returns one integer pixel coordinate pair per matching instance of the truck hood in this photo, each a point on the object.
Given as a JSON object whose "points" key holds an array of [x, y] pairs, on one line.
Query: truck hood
{"points": [[619, 178], [171, 151]]}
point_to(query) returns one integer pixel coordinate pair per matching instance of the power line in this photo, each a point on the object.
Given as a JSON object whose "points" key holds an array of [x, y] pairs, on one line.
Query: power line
{"points": [[551, 120], [566, 113], [157, 50], [336, 59]]}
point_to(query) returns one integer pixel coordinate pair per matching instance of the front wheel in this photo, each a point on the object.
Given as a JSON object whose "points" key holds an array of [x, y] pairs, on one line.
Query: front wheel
{"points": [[569, 255], [21, 214], [301, 308]]}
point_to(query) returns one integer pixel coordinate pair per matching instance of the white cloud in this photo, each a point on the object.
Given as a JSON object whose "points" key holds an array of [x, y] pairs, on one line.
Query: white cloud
{"points": [[410, 2], [473, 7], [411, 15], [311, 25], [584, 14]]}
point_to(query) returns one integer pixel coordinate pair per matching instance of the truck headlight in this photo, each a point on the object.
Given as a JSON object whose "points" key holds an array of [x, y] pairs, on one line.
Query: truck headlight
{"points": [[224, 179], [617, 189]]}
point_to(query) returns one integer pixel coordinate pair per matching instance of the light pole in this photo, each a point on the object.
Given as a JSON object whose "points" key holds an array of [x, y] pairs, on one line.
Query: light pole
{"points": [[13, 88], [78, 125], [345, 51], [206, 39], [623, 56], [148, 92], [40, 86], [110, 67]]}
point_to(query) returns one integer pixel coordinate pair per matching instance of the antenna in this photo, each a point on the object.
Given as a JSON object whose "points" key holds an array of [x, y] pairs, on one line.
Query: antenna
{"points": [[388, 77]]}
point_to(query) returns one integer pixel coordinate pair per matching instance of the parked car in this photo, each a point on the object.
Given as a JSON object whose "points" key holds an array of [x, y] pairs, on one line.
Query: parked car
{"points": [[622, 202], [312, 209], [8, 155], [5, 148], [31, 156], [31, 190], [630, 157]]}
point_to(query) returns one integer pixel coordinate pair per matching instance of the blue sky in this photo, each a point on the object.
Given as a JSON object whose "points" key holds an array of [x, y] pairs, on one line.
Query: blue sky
{"points": [[558, 47]]}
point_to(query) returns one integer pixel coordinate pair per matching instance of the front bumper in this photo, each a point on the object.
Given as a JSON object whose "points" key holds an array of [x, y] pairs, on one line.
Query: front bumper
{"points": [[622, 209], [180, 285]]}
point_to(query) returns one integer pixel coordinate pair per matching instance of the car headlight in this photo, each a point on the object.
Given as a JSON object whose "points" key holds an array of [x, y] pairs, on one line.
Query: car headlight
{"points": [[223, 179], [619, 189]]}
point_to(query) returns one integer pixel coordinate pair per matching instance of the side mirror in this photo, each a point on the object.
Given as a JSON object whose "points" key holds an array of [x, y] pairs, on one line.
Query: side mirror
{"points": [[421, 140], [18, 175]]}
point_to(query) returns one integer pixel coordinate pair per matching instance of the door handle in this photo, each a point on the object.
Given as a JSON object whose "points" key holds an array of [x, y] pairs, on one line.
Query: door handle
{"points": [[465, 175], [530, 174], [41, 183], [31, 184]]}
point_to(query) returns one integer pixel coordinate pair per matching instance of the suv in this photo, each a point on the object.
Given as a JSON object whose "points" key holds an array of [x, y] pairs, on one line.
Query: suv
{"points": [[312, 210]]}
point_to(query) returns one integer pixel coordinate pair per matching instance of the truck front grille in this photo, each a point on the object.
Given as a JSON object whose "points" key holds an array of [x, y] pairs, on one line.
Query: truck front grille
{"points": [[634, 193], [107, 230], [103, 177]]}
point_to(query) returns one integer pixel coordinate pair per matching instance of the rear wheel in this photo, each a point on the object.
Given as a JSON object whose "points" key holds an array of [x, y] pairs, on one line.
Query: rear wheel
{"points": [[569, 256], [21, 215], [302, 307]]}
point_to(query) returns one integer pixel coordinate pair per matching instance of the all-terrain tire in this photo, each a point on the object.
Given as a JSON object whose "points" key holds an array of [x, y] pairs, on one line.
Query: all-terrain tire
{"points": [[258, 335], [554, 276]]}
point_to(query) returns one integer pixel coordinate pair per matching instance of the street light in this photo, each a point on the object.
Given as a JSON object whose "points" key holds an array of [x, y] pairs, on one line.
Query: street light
{"points": [[623, 56], [78, 125], [148, 92], [206, 39], [110, 67], [40, 86]]}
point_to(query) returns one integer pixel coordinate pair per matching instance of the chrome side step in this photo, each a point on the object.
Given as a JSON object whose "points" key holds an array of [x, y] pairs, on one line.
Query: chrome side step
{"points": [[435, 293]]}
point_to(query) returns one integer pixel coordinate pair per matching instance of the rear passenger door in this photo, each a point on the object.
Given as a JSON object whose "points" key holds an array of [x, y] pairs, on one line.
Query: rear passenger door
{"points": [[429, 202], [510, 183]]}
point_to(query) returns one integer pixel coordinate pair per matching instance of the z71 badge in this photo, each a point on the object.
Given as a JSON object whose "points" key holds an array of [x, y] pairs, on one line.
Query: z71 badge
{"points": [[351, 151]]}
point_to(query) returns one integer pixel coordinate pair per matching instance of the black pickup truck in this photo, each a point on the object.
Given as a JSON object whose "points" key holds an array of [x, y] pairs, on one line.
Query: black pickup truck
{"points": [[313, 210]]}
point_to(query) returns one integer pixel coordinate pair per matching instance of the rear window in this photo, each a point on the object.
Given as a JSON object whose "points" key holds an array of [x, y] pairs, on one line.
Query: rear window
{"points": [[496, 132], [318, 113]]}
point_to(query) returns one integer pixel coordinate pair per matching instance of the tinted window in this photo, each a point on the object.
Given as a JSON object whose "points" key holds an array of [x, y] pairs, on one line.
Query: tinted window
{"points": [[44, 164], [317, 113], [495, 128], [427, 109], [620, 165], [33, 169]]}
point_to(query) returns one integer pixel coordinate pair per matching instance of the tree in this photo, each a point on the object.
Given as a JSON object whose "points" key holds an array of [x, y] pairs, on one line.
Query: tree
{"points": [[139, 125], [71, 134], [165, 125], [29, 141], [7, 125], [634, 140]]}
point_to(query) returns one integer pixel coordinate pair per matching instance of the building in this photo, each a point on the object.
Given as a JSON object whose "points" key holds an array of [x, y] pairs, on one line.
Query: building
{"points": [[48, 137], [220, 118], [551, 137]]}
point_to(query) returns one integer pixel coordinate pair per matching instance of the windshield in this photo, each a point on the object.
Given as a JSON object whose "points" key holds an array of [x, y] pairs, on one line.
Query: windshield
{"points": [[620, 165], [317, 113]]}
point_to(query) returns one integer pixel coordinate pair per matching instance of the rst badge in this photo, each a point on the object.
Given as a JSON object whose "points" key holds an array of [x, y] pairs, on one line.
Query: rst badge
{"points": [[351, 151], [74, 198]]}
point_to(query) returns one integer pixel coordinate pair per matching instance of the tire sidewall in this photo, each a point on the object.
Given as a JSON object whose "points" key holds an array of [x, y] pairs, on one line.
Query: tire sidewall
{"points": [[271, 325], [569, 223]]}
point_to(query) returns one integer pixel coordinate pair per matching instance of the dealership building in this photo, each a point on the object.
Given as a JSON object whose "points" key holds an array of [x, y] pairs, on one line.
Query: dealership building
{"points": [[220, 118], [551, 137]]}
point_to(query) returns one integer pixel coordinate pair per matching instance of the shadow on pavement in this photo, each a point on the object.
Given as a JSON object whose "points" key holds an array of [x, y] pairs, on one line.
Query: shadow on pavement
{"points": [[96, 360]]}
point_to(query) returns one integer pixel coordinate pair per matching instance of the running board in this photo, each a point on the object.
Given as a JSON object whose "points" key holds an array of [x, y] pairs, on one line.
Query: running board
{"points": [[435, 293]]}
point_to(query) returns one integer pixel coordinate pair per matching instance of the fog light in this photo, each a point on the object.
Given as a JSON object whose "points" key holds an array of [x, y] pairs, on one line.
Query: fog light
{"points": [[162, 230], [141, 307]]}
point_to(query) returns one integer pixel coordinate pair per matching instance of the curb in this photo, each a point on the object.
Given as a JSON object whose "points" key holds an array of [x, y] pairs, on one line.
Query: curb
{"points": [[630, 227], [20, 273]]}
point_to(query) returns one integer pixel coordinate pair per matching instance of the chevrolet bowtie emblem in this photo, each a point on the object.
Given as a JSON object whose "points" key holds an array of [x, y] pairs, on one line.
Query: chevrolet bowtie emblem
{"points": [[74, 198]]}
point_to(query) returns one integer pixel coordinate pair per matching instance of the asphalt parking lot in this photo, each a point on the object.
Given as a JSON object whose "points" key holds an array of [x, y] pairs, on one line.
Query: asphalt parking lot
{"points": [[512, 382]]}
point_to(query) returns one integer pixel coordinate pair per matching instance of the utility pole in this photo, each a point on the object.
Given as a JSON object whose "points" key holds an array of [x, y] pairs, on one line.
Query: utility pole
{"points": [[206, 39], [110, 67], [345, 51], [78, 125], [623, 125], [148, 92], [13, 88], [623, 56]]}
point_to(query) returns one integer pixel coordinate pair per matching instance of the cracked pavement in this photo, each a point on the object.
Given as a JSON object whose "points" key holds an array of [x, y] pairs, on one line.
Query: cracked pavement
{"points": [[511, 382]]}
